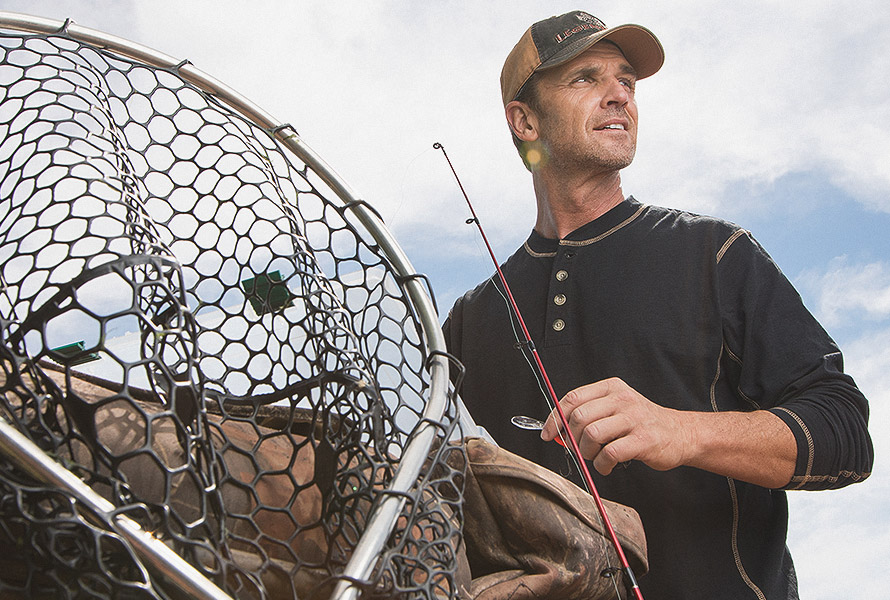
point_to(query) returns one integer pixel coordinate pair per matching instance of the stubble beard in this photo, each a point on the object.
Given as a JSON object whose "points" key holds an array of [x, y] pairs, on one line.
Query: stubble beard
{"points": [[594, 159], [565, 153]]}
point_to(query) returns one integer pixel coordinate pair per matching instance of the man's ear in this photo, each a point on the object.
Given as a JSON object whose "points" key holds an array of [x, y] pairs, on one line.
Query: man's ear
{"points": [[522, 120]]}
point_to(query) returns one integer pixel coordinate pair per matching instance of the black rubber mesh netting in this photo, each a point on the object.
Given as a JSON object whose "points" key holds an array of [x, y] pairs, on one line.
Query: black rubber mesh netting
{"points": [[195, 325]]}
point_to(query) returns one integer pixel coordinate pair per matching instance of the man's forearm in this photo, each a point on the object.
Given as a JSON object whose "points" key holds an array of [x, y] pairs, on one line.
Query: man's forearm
{"points": [[756, 447], [614, 423]]}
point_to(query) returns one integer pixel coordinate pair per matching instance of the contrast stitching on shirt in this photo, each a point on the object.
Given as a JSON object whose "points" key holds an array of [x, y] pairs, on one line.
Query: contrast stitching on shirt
{"points": [[851, 475], [579, 243], [732, 355], [738, 233], [735, 541], [713, 392], [745, 397], [810, 445], [537, 254]]}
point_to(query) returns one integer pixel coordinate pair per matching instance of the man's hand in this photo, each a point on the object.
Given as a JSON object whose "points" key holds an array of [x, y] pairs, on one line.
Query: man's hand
{"points": [[614, 423]]}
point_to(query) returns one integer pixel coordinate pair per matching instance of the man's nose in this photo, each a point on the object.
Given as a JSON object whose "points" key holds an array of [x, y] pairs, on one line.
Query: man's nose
{"points": [[617, 93]]}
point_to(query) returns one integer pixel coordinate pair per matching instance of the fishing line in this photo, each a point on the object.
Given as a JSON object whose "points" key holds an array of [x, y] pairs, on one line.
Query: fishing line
{"points": [[632, 584], [538, 380]]}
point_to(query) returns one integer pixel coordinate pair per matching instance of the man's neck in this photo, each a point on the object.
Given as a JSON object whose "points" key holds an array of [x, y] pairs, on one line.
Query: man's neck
{"points": [[565, 205]]}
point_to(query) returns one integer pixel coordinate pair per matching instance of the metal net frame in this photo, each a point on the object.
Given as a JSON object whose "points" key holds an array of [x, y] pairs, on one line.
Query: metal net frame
{"points": [[212, 340]]}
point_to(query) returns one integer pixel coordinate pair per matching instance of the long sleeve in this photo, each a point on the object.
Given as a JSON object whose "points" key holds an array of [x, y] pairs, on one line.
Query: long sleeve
{"points": [[781, 359]]}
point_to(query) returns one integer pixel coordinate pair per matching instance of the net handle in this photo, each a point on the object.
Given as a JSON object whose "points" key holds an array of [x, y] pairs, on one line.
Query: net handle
{"points": [[383, 520], [27, 456]]}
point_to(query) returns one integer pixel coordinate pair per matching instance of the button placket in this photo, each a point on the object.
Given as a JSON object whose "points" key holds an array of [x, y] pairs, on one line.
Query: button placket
{"points": [[557, 305]]}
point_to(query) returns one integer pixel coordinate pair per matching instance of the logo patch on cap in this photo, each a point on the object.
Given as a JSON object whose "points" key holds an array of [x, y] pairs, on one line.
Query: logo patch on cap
{"points": [[589, 23], [588, 18]]}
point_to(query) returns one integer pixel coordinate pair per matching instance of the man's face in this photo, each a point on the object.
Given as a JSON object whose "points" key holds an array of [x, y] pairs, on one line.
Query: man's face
{"points": [[588, 115]]}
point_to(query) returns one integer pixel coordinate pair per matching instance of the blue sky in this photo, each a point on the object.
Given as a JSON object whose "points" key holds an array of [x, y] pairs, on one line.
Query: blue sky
{"points": [[775, 115]]}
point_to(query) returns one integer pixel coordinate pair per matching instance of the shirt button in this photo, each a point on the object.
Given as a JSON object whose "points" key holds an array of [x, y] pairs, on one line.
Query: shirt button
{"points": [[559, 325], [562, 275], [559, 299]]}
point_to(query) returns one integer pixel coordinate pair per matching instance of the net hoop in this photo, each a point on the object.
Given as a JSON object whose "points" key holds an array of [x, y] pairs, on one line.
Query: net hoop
{"points": [[383, 520]]}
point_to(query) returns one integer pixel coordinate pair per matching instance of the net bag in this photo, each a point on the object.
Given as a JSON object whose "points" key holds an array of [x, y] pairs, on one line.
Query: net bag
{"points": [[201, 322]]}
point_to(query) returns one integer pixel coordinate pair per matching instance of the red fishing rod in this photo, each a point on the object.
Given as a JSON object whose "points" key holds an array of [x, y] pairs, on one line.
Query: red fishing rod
{"points": [[632, 584]]}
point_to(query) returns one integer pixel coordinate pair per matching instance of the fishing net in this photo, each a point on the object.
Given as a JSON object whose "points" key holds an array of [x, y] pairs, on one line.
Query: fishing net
{"points": [[201, 325]]}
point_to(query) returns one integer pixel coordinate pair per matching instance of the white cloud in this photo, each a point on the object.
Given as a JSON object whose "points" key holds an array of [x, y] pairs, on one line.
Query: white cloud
{"points": [[750, 91], [839, 539], [846, 293]]}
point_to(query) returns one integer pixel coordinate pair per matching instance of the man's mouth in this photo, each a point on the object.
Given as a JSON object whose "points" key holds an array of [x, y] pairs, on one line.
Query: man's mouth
{"points": [[617, 126]]}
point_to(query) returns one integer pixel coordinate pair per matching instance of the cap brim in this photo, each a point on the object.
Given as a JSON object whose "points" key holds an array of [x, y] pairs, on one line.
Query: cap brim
{"points": [[639, 45]]}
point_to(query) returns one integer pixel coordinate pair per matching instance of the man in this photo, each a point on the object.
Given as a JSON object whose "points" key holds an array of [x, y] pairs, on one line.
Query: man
{"points": [[690, 372]]}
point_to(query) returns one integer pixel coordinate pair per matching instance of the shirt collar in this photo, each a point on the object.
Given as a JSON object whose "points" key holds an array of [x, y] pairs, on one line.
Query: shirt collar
{"points": [[589, 233]]}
